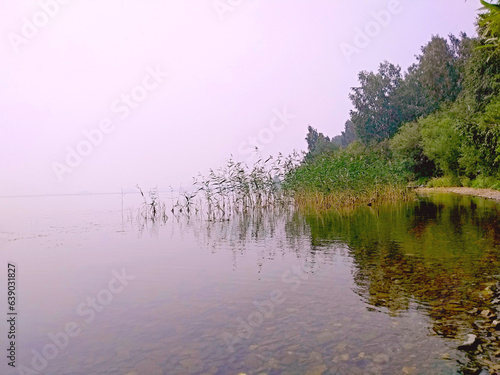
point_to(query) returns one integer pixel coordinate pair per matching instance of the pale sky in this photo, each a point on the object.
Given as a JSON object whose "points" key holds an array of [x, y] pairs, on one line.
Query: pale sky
{"points": [[166, 89]]}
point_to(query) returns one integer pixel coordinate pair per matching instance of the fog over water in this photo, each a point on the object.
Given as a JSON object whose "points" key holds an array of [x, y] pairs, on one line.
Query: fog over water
{"points": [[98, 96]]}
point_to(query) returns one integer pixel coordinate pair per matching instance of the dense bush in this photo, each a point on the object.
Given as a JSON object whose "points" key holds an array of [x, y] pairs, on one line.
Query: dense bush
{"points": [[480, 149], [407, 146], [441, 142]]}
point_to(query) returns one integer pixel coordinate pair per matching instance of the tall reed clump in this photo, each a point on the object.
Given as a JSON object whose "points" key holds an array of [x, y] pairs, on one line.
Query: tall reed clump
{"points": [[152, 209], [342, 179], [348, 178], [238, 188]]}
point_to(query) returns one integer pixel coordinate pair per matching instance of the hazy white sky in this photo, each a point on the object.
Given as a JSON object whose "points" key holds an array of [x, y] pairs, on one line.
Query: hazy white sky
{"points": [[101, 95]]}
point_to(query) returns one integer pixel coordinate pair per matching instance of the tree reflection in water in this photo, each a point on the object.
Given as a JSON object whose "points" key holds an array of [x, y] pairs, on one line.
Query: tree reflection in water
{"points": [[441, 252]]}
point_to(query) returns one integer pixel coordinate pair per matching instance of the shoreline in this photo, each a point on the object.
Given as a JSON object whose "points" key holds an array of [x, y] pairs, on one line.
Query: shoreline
{"points": [[482, 193]]}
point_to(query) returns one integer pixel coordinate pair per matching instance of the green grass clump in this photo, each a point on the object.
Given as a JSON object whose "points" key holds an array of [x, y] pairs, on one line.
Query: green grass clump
{"points": [[480, 182], [348, 177], [465, 181], [485, 182], [445, 181]]}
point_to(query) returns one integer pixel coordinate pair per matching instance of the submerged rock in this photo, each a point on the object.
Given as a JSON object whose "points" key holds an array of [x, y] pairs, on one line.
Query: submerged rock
{"points": [[470, 344], [487, 313], [316, 370], [381, 358], [409, 370]]}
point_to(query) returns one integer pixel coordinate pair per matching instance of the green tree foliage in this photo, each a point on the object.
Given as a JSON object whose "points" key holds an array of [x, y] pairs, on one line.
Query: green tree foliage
{"points": [[461, 48], [480, 149], [438, 72], [407, 146], [412, 98], [377, 114], [441, 141], [387, 99], [347, 136], [441, 117], [318, 144], [311, 138], [482, 76]]}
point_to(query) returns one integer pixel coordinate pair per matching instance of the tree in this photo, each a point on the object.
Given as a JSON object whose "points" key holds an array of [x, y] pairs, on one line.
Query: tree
{"points": [[482, 76], [347, 136], [412, 99], [461, 48], [317, 144], [311, 138], [438, 72], [480, 150], [377, 114]]}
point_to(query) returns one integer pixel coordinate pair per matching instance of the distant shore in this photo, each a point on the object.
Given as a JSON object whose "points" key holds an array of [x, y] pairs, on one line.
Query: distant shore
{"points": [[483, 193]]}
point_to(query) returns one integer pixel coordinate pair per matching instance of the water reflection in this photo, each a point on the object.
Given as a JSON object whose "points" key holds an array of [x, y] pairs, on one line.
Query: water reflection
{"points": [[268, 234], [441, 252], [387, 289]]}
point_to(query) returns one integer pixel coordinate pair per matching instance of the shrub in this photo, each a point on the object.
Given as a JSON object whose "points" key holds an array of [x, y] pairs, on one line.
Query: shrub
{"points": [[445, 181], [465, 181], [407, 146], [484, 182], [441, 141]]}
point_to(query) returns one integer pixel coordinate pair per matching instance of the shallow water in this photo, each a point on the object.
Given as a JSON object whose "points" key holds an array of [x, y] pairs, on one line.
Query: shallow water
{"points": [[382, 290]]}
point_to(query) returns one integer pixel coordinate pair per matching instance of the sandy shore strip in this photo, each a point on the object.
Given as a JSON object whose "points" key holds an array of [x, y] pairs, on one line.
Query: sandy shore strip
{"points": [[483, 193]]}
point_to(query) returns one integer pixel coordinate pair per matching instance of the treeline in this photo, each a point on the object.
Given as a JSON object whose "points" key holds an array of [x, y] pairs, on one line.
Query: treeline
{"points": [[437, 123]]}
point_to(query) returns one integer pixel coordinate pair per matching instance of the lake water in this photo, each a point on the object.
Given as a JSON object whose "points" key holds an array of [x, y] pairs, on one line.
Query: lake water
{"points": [[394, 289]]}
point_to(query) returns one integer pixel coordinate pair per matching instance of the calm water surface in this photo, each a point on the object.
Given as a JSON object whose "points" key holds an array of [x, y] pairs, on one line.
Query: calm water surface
{"points": [[381, 290]]}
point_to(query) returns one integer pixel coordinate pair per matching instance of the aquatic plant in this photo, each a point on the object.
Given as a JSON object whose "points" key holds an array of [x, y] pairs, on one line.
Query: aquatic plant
{"points": [[152, 209], [236, 187], [348, 178]]}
